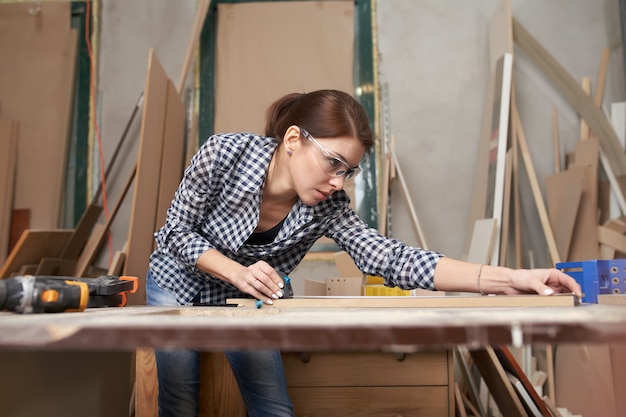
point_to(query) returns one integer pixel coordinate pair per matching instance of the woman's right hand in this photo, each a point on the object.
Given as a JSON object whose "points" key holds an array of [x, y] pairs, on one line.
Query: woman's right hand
{"points": [[261, 281]]}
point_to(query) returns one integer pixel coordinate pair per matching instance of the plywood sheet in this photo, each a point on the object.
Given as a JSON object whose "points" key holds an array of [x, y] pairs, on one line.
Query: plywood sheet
{"points": [[173, 153], [585, 238], [563, 195], [40, 98], [145, 199]]}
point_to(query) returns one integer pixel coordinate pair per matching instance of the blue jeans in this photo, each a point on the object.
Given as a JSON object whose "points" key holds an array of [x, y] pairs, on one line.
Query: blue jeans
{"points": [[259, 374]]}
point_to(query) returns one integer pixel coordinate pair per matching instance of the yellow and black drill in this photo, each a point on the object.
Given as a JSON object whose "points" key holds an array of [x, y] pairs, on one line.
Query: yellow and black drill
{"points": [[55, 294]]}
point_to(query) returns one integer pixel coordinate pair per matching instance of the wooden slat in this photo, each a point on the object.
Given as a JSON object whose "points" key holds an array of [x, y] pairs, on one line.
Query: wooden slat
{"points": [[8, 157], [498, 383], [99, 233], [559, 300], [532, 177]]}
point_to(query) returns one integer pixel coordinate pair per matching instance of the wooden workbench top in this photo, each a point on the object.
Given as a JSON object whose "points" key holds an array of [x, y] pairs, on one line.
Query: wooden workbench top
{"points": [[312, 329]]}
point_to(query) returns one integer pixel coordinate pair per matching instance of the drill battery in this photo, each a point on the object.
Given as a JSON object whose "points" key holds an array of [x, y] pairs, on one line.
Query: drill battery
{"points": [[55, 294]]}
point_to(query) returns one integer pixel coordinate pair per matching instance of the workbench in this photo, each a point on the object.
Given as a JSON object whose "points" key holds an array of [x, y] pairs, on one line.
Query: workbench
{"points": [[399, 341], [328, 329]]}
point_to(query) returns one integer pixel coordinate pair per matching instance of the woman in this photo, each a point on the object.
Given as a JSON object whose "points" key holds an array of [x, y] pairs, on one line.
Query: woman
{"points": [[250, 205]]}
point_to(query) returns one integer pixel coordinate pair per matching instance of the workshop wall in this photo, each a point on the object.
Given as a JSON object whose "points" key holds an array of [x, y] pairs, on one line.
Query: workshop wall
{"points": [[434, 66]]}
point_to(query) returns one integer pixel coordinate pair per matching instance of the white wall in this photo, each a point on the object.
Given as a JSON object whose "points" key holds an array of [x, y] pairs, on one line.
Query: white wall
{"points": [[433, 60]]}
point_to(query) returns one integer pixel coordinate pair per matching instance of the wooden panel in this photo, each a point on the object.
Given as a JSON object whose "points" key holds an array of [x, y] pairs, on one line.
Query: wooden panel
{"points": [[377, 401], [564, 300], [143, 215], [366, 369], [563, 194], [173, 153], [40, 97], [33, 246]]}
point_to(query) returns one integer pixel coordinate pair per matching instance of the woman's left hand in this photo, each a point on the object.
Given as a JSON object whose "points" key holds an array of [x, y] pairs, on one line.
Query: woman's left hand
{"points": [[543, 281]]}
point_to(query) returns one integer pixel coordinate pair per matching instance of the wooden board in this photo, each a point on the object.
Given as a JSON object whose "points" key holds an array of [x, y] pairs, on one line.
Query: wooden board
{"points": [[482, 241], [534, 184], [145, 198], [563, 194], [559, 300], [585, 238], [173, 153], [33, 246], [8, 156], [499, 386], [40, 97]]}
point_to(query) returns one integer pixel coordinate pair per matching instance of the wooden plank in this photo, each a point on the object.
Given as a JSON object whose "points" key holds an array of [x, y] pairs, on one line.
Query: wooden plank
{"points": [[8, 158], [173, 154], [506, 207], [612, 238], [534, 184], [478, 208], [585, 133], [499, 386], [56, 267], [573, 93], [20, 222], [33, 246], [558, 300], [500, 33], [585, 237], [563, 195], [604, 66], [482, 241], [81, 232], [509, 364], [145, 198], [555, 140], [100, 232], [409, 202], [499, 147]]}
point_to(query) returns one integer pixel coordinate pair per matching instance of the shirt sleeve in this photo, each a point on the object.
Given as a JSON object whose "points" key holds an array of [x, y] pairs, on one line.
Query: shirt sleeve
{"points": [[399, 264], [180, 236]]}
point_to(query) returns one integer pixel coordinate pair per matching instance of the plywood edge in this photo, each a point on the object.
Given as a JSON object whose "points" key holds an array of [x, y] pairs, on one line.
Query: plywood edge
{"points": [[559, 300]]}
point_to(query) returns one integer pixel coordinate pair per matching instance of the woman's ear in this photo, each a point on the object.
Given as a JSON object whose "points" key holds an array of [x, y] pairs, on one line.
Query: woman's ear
{"points": [[291, 139]]}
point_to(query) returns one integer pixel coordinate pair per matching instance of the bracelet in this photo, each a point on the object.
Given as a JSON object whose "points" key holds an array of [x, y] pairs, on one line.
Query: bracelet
{"points": [[480, 268]]}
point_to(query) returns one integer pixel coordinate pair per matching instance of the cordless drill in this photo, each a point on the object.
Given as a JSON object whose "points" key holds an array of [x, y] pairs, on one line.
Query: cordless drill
{"points": [[52, 294]]}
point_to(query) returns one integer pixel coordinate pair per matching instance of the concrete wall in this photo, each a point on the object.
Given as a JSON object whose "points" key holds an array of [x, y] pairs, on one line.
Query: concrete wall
{"points": [[434, 67]]}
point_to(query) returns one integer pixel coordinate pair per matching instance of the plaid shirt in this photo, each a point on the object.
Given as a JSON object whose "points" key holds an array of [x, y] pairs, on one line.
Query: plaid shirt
{"points": [[217, 206]]}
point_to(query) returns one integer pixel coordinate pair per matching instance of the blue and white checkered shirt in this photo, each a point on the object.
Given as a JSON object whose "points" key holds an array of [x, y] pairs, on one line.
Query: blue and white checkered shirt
{"points": [[217, 206]]}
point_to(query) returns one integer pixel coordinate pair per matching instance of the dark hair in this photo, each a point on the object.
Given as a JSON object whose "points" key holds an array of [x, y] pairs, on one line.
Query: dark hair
{"points": [[323, 113]]}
